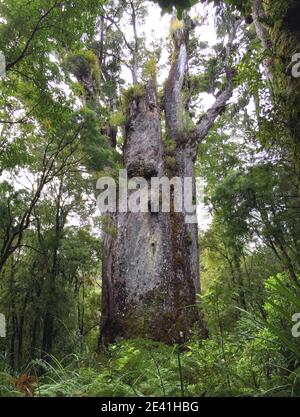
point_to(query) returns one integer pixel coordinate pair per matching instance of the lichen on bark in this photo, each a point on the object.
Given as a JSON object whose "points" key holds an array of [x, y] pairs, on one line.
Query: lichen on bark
{"points": [[151, 268], [148, 284]]}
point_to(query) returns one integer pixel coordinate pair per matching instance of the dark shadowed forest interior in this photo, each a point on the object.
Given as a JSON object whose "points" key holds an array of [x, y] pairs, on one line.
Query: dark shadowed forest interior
{"points": [[198, 302]]}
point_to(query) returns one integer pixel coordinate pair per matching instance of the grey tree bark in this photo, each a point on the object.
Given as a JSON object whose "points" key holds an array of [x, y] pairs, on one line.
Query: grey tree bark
{"points": [[148, 285], [151, 262]]}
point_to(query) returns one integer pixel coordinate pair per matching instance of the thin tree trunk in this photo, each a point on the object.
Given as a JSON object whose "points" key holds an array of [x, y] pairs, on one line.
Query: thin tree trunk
{"points": [[258, 15], [12, 319], [21, 328], [48, 325]]}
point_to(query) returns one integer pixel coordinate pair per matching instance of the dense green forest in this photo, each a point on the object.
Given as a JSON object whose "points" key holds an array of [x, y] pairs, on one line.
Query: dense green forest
{"points": [[118, 304]]}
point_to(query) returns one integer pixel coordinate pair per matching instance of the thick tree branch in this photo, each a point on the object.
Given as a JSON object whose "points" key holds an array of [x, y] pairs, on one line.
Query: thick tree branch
{"points": [[222, 99], [173, 102], [215, 110], [174, 106], [136, 44]]}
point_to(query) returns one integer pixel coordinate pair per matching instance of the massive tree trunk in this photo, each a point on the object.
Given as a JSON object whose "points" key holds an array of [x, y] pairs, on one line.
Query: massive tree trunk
{"points": [[151, 266], [148, 287]]}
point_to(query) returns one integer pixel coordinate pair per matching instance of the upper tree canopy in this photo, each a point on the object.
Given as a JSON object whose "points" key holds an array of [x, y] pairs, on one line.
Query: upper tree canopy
{"points": [[181, 5]]}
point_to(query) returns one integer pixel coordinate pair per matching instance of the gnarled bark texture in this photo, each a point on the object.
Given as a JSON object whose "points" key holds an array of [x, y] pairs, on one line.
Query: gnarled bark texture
{"points": [[151, 264], [148, 284]]}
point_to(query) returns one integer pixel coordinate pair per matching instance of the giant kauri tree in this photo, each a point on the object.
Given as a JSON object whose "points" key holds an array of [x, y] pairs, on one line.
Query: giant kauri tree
{"points": [[151, 262]]}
